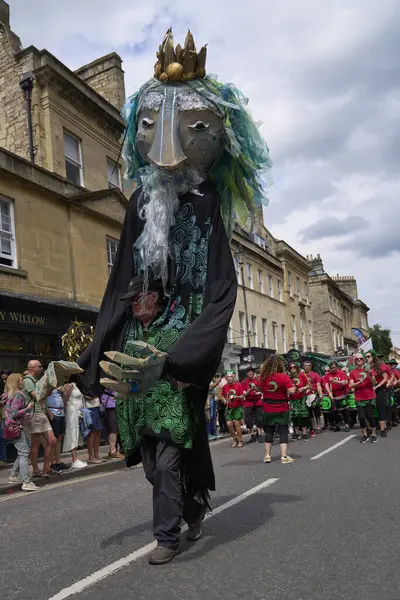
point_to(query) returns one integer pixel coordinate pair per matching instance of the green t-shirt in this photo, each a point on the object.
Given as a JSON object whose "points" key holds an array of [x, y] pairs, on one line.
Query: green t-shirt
{"points": [[29, 387]]}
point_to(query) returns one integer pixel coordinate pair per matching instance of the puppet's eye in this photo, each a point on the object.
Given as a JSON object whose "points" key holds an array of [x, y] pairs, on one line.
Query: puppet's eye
{"points": [[199, 126], [147, 123]]}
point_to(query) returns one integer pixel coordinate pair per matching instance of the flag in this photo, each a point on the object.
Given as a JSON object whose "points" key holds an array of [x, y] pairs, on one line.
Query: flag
{"points": [[366, 346], [359, 335]]}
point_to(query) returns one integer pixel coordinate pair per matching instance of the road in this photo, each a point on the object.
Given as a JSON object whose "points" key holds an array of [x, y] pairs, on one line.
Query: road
{"points": [[321, 528]]}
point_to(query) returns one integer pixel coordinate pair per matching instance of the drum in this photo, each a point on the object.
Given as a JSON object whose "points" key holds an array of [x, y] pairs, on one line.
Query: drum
{"points": [[351, 402], [326, 404]]}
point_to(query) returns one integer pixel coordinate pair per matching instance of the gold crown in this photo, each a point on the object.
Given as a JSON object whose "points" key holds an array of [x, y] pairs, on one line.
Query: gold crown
{"points": [[179, 64]]}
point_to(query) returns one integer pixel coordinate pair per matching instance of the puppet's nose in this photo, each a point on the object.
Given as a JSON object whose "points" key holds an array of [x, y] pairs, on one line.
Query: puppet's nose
{"points": [[166, 150]]}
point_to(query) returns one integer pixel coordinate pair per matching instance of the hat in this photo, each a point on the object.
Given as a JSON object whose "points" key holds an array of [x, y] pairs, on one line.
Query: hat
{"points": [[250, 369], [137, 285]]}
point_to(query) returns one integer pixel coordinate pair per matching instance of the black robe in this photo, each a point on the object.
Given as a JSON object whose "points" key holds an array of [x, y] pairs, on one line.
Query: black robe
{"points": [[195, 356]]}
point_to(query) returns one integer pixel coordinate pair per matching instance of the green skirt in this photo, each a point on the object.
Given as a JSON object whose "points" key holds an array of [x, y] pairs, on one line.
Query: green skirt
{"points": [[281, 418], [298, 409], [326, 404], [234, 414]]}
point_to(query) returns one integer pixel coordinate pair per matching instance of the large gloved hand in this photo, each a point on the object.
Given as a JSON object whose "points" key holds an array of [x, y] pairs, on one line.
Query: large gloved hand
{"points": [[57, 374], [132, 376]]}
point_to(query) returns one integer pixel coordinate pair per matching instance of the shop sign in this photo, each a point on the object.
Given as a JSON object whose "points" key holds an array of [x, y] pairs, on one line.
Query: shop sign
{"points": [[21, 318]]}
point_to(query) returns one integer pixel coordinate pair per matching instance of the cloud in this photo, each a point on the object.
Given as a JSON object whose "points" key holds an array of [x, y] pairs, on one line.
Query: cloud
{"points": [[331, 226], [324, 79]]}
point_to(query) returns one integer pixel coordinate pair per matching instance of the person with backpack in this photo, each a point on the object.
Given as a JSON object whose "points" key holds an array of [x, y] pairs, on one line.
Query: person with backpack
{"points": [[16, 415]]}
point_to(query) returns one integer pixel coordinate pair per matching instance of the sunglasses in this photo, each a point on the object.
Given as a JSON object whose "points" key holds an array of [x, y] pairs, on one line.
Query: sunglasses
{"points": [[369, 355], [360, 358]]}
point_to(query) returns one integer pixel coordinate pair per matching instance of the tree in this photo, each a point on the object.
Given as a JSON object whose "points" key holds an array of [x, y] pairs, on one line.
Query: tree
{"points": [[381, 340]]}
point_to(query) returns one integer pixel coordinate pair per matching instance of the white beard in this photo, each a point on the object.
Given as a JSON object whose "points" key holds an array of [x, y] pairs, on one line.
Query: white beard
{"points": [[157, 207]]}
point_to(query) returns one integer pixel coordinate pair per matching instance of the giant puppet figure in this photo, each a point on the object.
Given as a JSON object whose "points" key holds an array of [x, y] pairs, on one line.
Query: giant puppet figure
{"points": [[197, 158]]}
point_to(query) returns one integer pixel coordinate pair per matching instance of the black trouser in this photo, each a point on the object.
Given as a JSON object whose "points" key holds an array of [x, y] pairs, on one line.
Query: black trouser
{"points": [[254, 415], [283, 433], [366, 412], [349, 417], [314, 412], [381, 404], [221, 417], [163, 463]]}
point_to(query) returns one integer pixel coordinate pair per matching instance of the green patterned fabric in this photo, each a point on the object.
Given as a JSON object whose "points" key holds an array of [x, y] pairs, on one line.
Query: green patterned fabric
{"points": [[351, 402], [166, 410], [326, 404], [282, 418], [364, 403], [298, 409], [234, 414]]}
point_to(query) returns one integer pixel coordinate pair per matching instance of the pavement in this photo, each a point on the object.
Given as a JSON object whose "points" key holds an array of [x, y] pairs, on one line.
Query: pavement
{"points": [[106, 466], [325, 527]]}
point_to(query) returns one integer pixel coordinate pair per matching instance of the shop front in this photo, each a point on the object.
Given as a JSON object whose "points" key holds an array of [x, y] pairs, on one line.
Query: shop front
{"points": [[33, 329]]}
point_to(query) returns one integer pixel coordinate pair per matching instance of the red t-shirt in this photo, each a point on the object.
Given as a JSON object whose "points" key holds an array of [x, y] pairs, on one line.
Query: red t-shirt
{"points": [[255, 396], [384, 369], [275, 389], [313, 379], [364, 390], [232, 392], [332, 379], [300, 380]]}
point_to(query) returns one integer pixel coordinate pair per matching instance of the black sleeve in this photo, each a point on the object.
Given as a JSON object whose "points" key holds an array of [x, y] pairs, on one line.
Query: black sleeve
{"points": [[112, 319], [195, 357]]}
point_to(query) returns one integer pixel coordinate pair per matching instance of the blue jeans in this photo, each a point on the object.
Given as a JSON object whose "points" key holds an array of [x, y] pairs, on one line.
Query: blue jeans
{"points": [[3, 442], [21, 465], [212, 425]]}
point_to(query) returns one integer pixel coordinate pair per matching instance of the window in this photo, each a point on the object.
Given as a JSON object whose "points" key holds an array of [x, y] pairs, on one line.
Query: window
{"points": [[114, 174], [334, 339], [335, 306], [229, 335], [242, 329], [254, 330], [249, 276], [112, 247], [330, 303], [289, 277], [275, 335], [73, 159], [8, 255], [237, 269], [264, 334], [298, 287], [306, 290], [294, 331], [310, 331], [261, 281], [279, 290], [270, 286], [303, 334], [284, 345]]}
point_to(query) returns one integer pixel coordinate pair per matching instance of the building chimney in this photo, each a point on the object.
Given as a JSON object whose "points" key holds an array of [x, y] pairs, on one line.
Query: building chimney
{"points": [[106, 77], [348, 284], [315, 265]]}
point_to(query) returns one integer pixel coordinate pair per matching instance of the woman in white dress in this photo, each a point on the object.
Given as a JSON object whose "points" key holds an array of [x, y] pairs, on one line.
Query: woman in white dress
{"points": [[75, 402]]}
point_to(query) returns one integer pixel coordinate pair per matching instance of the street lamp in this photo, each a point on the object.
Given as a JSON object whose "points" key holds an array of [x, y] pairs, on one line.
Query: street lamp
{"points": [[240, 255]]}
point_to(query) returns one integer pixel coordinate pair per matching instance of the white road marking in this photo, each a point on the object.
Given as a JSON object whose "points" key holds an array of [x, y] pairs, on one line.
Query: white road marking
{"points": [[346, 439], [83, 584]]}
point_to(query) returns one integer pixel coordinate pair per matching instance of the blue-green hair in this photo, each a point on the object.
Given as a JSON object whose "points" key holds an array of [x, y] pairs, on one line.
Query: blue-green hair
{"points": [[240, 172]]}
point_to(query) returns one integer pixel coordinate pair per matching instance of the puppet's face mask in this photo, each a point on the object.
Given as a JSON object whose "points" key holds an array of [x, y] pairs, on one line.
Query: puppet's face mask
{"points": [[178, 128]]}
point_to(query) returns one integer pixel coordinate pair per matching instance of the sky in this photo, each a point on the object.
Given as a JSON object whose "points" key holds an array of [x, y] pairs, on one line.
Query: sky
{"points": [[323, 77]]}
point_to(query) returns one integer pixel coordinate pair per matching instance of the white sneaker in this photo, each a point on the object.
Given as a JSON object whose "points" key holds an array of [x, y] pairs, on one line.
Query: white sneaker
{"points": [[29, 487], [14, 479], [79, 464]]}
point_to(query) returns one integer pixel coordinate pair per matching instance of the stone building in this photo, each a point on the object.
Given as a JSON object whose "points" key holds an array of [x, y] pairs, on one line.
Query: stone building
{"points": [[274, 280], [336, 309], [61, 198]]}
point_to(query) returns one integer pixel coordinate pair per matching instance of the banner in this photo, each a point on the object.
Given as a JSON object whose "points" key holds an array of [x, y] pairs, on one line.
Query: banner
{"points": [[359, 335]]}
